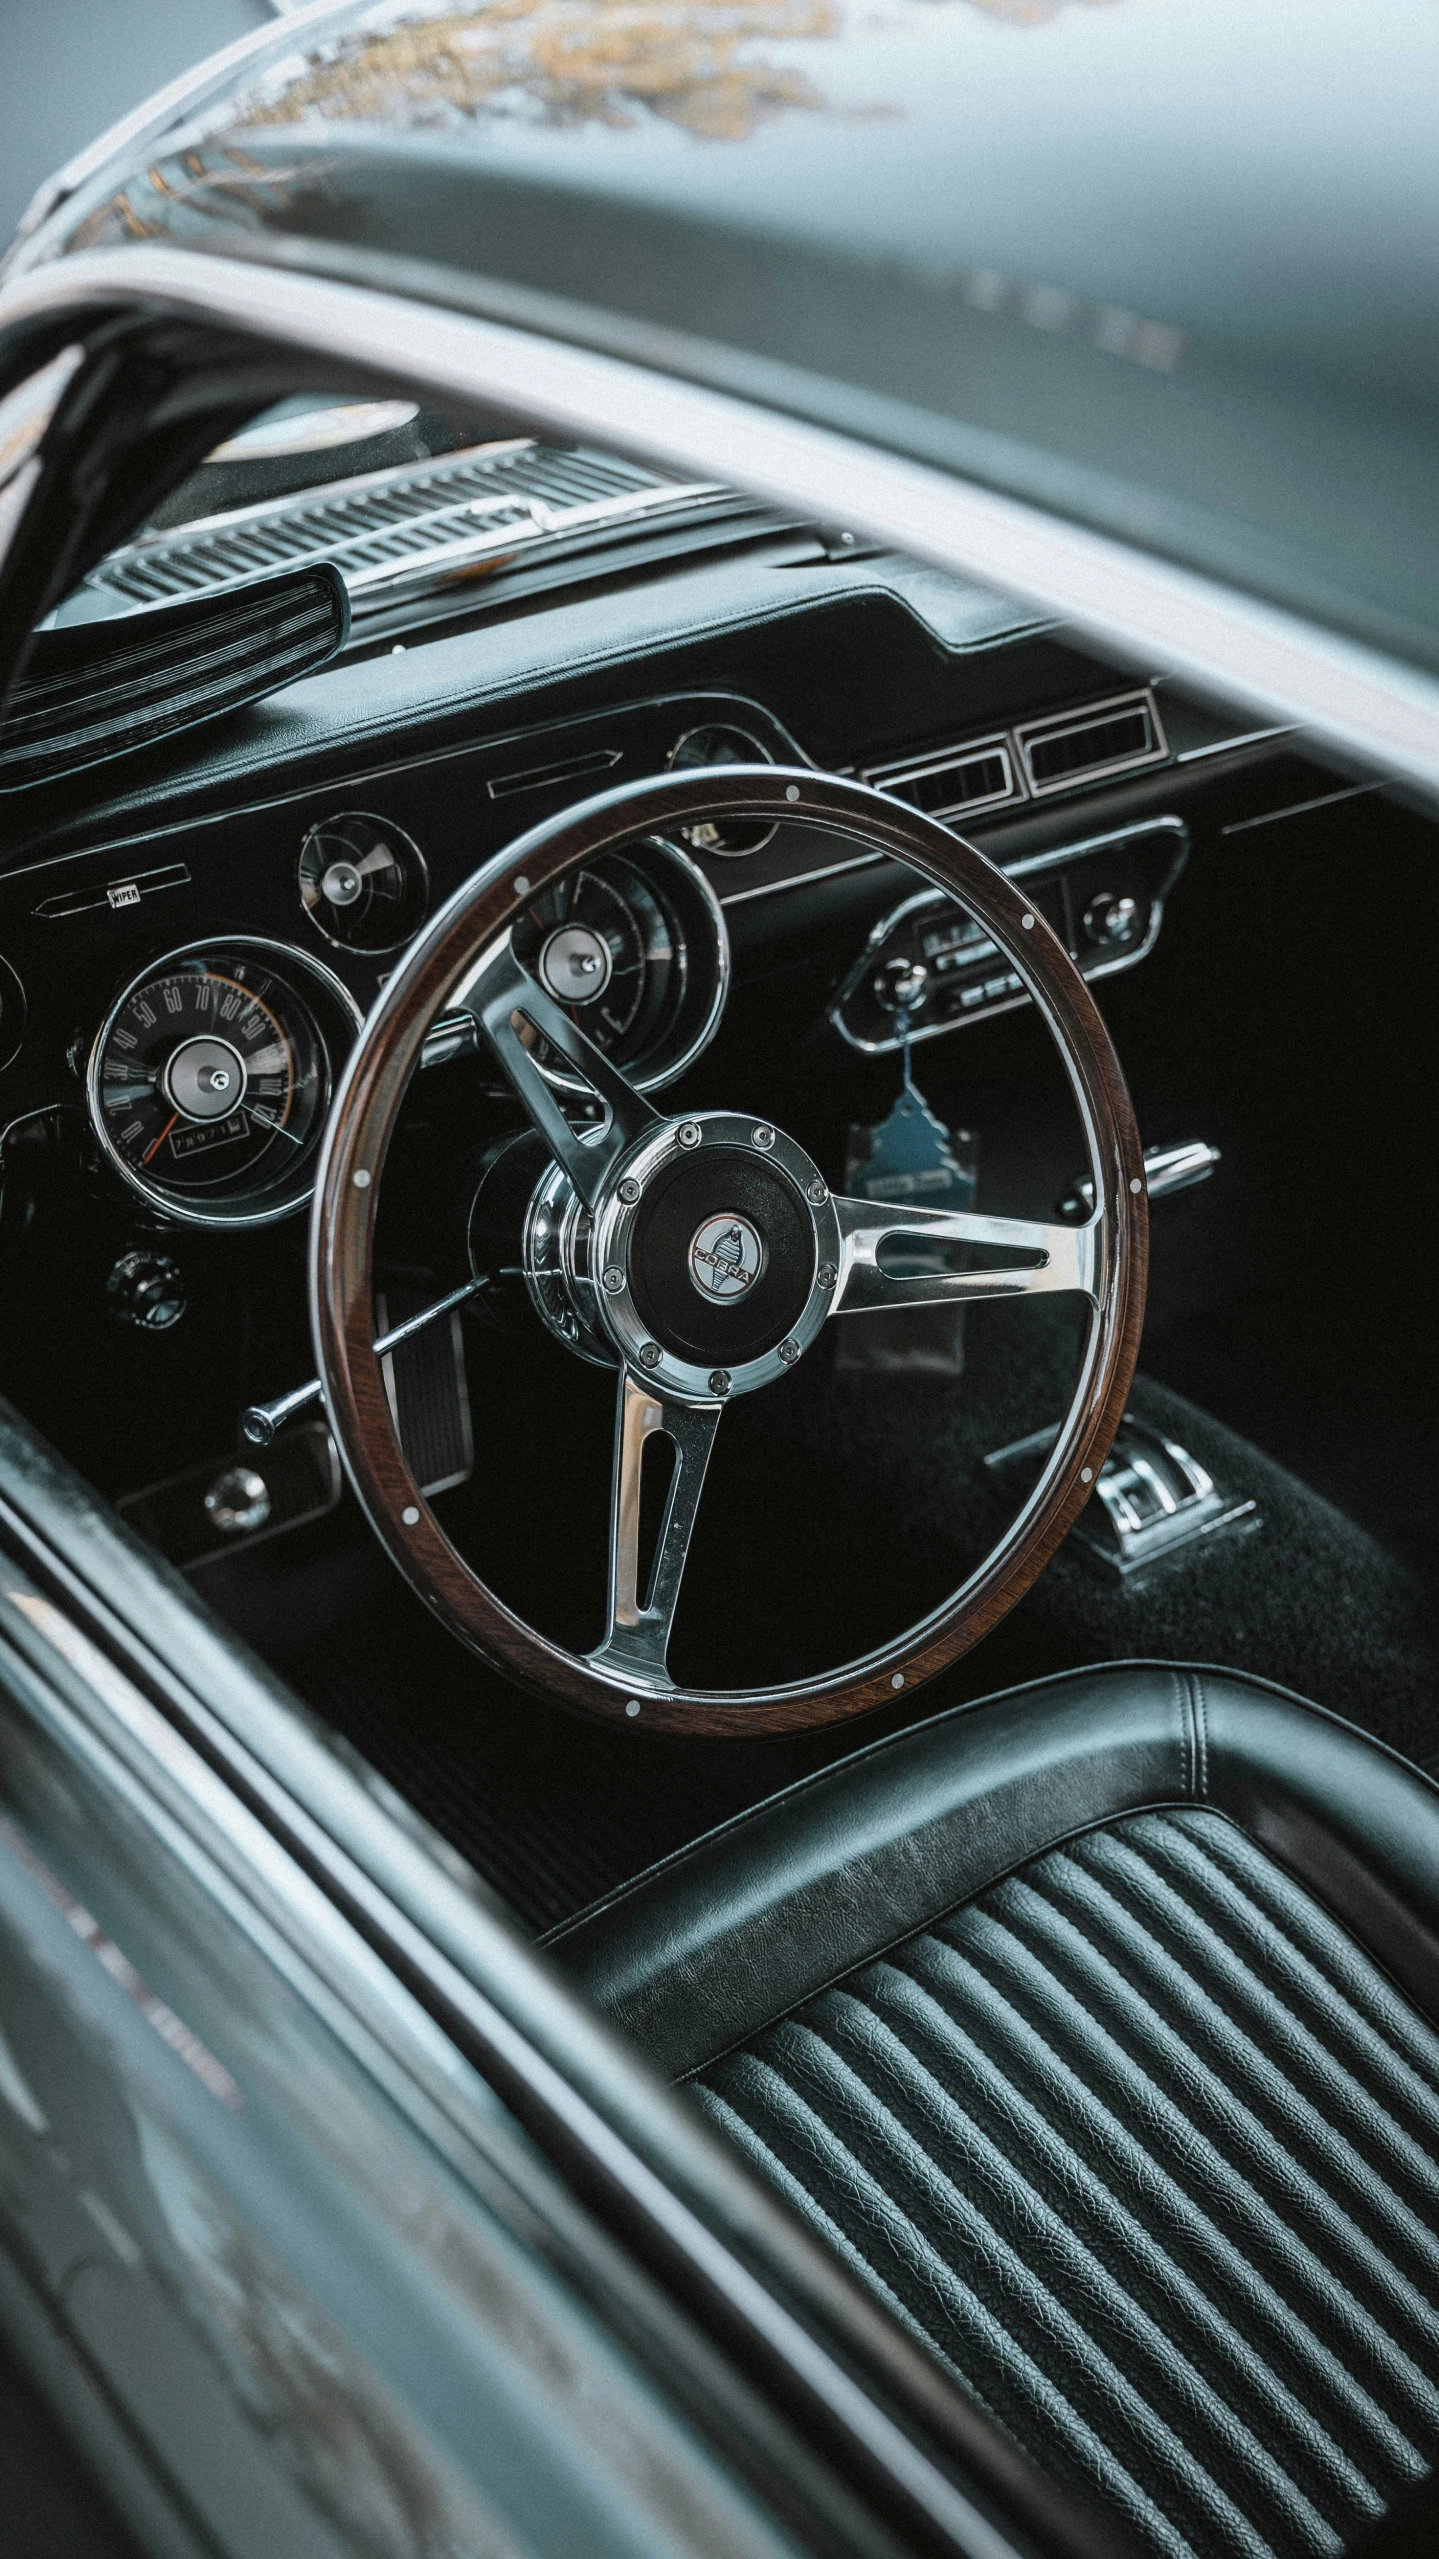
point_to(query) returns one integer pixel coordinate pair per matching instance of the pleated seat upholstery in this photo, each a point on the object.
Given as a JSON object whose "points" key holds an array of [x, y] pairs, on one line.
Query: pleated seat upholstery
{"points": [[1139, 2132]]}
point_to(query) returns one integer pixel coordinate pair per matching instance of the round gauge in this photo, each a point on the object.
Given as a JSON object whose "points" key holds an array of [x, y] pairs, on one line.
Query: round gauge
{"points": [[729, 836], [210, 1080], [635, 948], [363, 882]]}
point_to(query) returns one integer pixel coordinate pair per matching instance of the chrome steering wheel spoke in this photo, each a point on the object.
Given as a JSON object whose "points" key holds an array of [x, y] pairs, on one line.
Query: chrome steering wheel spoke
{"points": [[1058, 1259], [498, 993], [640, 1623]]}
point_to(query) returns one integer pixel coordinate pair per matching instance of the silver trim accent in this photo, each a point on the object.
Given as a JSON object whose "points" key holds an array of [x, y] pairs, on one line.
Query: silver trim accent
{"points": [[259, 1423], [279, 954], [1054, 860], [1167, 619], [1167, 1171], [1231, 745], [803, 879], [886, 777], [637, 1637], [1090, 715], [1301, 808], [1064, 1259], [669, 1377]]}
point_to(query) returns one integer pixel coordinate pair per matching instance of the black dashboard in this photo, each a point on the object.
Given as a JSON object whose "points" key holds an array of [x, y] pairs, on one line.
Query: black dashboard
{"points": [[185, 961]]}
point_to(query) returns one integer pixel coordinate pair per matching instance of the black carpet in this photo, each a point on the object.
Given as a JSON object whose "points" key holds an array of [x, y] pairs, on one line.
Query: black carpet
{"points": [[839, 1508]]}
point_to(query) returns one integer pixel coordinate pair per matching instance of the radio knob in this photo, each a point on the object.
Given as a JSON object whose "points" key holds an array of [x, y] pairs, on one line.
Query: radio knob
{"points": [[901, 985], [1110, 919]]}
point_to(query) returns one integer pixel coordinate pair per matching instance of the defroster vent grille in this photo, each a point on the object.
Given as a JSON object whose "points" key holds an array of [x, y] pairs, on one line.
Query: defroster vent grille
{"points": [[386, 526]]}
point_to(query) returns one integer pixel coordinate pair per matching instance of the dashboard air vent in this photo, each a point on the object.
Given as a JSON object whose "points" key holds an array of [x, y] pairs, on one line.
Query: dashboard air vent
{"points": [[427, 521], [976, 776], [1084, 746], [105, 688]]}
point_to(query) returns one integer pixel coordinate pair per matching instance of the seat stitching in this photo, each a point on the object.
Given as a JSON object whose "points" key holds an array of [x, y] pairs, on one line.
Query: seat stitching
{"points": [[1207, 2398], [1225, 1958], [1390, 2278], [1161, 2437], [1100, 2456], [1378, 2421]]}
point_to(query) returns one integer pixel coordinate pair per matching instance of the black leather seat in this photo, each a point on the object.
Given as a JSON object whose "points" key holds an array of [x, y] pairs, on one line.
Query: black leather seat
{"points": [[1092, 2027]]}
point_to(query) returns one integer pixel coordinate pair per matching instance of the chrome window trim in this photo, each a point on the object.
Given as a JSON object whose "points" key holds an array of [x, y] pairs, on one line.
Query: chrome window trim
{"points": [[1356, 701]]}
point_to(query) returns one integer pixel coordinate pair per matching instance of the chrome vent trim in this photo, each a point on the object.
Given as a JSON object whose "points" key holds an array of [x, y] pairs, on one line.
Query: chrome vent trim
{"points": [[1093, 742], [1118, 735], [414, 522], [955, 782]]}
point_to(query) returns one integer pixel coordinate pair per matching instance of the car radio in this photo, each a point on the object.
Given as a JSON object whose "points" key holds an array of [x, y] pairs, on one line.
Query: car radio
{"points": [[929, 962]]}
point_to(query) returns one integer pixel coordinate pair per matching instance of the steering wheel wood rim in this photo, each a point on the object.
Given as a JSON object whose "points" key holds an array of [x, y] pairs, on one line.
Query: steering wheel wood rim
{"points": [[342, 1234]]}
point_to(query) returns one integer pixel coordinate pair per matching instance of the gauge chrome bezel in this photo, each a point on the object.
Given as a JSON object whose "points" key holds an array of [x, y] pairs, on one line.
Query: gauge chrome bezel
{"points": [[669, 1070], [759, 754], [312, 914], [278, 956]]}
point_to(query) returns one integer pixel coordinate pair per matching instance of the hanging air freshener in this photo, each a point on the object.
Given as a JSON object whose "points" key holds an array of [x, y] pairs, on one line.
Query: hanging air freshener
{"points": [[910, 1156]]}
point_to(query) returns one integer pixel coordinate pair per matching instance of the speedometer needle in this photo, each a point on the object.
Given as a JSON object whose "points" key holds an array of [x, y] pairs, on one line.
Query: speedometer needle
{"points": [[277, 1128], [160, 1140]]}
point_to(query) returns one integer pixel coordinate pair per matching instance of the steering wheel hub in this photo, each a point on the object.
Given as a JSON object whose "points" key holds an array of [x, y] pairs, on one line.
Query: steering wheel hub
{"points": [[708, 1265]]}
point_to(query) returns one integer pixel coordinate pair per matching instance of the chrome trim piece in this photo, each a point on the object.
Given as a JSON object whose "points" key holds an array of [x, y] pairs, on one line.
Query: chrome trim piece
{"points": [[1231, 745], [259, 1423], [1055, 860], [1064, 1260], [803, 879], [1354, 698], [679, 1380], [1087, 715], [1301, 808], [1075, 851], [283, 953], [952, 759], [637, 1638]]}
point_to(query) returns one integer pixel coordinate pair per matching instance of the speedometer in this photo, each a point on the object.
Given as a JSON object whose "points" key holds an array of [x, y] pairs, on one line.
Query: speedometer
{"points": [[211, 1077]]}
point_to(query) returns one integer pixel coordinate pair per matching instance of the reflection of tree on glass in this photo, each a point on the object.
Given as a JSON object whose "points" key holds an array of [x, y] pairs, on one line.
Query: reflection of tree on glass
{"points": [[570, 62]]}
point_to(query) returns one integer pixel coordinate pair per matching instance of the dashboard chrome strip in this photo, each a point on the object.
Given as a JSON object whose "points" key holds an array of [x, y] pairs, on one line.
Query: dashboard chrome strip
{"points": [[1301, 808], [1148, 611], [802, 879]]}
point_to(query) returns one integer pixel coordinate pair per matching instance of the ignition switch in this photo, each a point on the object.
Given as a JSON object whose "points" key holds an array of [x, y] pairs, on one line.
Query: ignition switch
{"points": [[146, 1289]]}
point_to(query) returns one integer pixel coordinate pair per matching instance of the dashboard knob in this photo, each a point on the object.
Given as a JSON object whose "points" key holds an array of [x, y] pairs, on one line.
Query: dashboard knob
{"points": [[901, 985], [238, 1502], [147, 1290], [1110, 919], [342, 884]]}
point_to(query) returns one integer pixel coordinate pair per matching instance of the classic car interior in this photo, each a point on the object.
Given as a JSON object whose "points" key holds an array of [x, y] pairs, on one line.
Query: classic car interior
{"points": [[1139, 1916]]}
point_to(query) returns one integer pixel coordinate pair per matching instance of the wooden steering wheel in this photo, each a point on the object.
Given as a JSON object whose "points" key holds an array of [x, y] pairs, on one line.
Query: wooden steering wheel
{"points": [[706, 1251]]}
